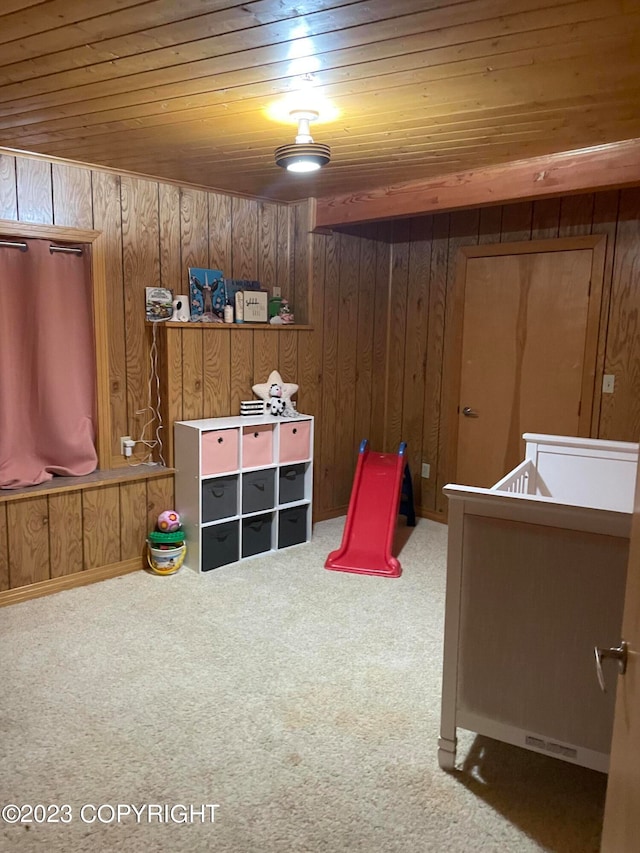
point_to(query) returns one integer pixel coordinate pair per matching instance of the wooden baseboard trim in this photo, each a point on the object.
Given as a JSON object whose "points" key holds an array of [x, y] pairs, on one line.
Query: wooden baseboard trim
{"points": [[326, 514], [431, 515], [114, 570], [48, 587]]}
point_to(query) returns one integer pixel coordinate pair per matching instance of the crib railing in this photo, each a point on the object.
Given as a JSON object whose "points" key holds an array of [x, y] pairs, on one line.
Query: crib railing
{"points": [[519, 481]]}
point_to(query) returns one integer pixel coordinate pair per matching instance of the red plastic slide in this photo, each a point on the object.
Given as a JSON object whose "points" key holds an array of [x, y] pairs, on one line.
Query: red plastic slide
{"points": [[371, 519]]}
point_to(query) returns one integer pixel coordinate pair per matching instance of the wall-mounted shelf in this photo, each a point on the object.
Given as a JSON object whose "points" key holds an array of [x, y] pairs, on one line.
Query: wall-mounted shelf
{"points": [[243, 486]]}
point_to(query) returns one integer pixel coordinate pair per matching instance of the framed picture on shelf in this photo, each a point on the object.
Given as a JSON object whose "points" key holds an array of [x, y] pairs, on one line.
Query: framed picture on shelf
{"points": [[255, 303], [207, 295]]}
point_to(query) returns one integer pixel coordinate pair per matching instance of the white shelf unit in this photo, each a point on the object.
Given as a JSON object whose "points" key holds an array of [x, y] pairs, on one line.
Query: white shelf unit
{"points": [[243, 486]]}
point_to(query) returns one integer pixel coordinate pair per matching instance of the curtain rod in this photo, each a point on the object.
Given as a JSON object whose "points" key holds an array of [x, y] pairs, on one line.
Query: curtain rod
{"points": [[14, 244], [69, 249]]}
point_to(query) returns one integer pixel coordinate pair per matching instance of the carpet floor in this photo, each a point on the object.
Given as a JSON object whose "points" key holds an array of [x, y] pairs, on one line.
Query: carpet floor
{"points": [[303, 704]]}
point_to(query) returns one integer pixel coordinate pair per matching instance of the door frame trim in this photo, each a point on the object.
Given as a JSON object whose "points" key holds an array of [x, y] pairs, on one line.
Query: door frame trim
{"points": [[454, 316]]}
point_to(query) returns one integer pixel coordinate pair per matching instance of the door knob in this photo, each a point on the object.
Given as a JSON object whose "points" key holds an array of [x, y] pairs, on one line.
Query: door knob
{"points": [[468, 412], [618, 653]]}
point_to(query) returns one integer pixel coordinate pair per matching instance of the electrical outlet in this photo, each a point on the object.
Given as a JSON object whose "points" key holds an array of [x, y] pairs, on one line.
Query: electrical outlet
{"points": [[608, 381], [426, 470], [123, 438]]}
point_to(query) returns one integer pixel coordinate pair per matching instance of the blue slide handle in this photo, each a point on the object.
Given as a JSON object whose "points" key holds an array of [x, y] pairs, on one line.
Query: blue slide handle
{"points": [[402, 448], [363, 445]]}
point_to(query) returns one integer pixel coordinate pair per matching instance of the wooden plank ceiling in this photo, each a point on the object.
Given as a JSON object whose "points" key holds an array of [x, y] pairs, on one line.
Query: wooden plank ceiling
{"points": [[181, 90]]}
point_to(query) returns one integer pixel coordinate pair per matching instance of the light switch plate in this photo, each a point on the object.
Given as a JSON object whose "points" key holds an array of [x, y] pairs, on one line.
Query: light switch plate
{"points": [[426, 470], [608, 381]]}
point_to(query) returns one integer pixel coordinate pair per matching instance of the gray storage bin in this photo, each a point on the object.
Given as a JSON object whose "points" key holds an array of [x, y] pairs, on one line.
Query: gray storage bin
{"points": [[220, 545], [219, 498], [258, 490], [292, 526], [256, 535], [291, 480]]}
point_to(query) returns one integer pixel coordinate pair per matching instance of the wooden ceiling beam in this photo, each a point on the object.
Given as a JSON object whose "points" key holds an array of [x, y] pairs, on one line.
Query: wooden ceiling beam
{"points": [[603, 167], [354, 166]]}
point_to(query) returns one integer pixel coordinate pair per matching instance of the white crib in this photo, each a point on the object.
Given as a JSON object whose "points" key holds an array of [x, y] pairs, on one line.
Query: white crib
{"points": [[536, 572]]}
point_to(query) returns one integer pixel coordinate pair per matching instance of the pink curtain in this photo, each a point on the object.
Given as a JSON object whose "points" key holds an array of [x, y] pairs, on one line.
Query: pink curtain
{"points": [[47, 365]]}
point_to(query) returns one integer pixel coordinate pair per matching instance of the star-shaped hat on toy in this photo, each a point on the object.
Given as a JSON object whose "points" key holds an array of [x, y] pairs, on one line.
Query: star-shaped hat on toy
{"points": [[264, 390]]}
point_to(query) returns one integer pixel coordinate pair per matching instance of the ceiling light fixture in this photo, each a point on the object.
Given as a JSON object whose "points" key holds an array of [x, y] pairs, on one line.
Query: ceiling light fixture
{"points": [[303, 155]]}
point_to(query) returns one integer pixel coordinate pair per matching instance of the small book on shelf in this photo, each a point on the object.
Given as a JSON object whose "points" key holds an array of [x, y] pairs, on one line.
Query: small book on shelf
{"points": [[235, 285], [159, 303]]}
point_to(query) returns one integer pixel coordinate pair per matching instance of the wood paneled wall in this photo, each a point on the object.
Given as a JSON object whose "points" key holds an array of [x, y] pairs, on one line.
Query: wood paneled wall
{"points": [[423, 263], [154, 232], [337, 363], [341, 363], [371, 365], [50, 539]]}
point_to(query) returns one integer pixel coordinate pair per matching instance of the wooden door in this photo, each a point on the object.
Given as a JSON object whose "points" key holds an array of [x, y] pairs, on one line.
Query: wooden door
{"points": [[622, 812], [529, 338]]}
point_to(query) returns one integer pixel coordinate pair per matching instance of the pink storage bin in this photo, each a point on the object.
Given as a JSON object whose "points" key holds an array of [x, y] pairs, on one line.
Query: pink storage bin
{"points": [[219, 451], [295, 441], [257, 446]]}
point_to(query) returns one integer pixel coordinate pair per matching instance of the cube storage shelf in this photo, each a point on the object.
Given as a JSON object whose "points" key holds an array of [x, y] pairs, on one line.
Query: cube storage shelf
{"points": [[243, 486]]}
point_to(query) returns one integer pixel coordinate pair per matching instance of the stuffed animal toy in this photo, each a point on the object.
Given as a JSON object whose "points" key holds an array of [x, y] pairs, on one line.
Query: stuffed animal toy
{"points": [[276, 403], [285, 313], [277, 395]]}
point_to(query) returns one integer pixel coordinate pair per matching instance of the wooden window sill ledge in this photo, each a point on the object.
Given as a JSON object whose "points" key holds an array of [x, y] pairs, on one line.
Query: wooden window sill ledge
{"points": [[96, 480], [264, 327]]}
